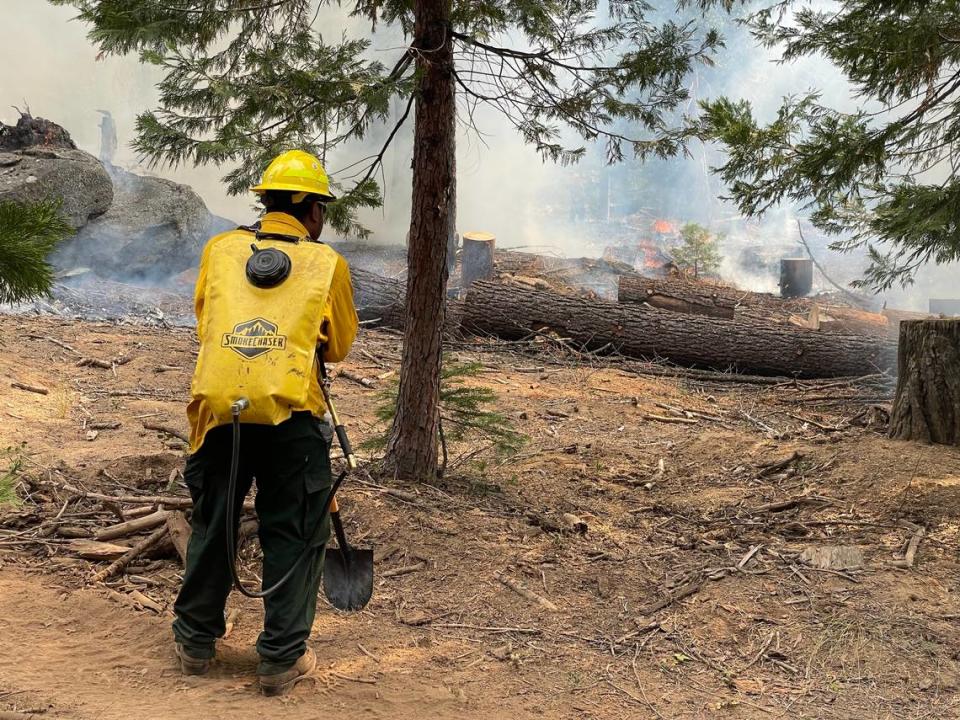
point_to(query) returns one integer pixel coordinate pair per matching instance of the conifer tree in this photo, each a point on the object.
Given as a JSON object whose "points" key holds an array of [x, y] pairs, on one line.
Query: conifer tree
{"points": [[465, 412], [883, 177], [245, 79], [699, 253]]}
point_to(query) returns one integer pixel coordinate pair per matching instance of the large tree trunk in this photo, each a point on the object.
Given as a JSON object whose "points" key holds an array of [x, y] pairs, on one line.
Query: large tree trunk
{"points": [[514, 312], [380, 301], [412, 450], [927, 404]]}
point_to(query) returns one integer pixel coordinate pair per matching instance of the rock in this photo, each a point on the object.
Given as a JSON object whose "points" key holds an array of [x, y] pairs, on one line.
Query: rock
{"points": [[155, 228], [833, 557], [72, 176], [130, 227], [39, 161]]}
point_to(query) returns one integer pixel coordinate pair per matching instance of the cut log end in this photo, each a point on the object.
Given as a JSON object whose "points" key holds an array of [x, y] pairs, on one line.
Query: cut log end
{"points": [[477, 258]]}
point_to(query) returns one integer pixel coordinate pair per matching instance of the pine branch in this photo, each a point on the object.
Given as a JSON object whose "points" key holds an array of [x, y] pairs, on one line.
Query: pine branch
{"points": [[246, 79], [28, 233], [863, 175]]}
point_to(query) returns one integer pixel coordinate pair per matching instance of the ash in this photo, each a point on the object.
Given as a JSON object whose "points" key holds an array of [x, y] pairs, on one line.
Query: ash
{"points": [[92, 298]]}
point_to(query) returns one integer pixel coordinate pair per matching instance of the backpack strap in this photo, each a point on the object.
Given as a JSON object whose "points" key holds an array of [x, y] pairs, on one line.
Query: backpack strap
{"points": [[260, 235]]}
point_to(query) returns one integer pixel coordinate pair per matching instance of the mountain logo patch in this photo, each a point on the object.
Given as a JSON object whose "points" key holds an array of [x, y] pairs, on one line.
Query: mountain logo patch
{"points": [[254, 338]]}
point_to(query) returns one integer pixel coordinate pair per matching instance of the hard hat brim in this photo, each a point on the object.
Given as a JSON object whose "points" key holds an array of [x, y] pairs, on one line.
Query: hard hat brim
{"points": [[291, 187]]}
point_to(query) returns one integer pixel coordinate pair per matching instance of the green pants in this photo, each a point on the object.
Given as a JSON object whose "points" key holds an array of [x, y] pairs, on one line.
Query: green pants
{"points": [[291, 465]]}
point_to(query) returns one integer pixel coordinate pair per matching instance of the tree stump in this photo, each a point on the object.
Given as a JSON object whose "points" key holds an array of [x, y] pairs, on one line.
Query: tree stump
{"points": [[477, 257], [796, 277], [927, 404]]}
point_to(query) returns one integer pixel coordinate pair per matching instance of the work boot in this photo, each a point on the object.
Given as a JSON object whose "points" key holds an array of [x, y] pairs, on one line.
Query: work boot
{"points": [[281, 683], [190, 665]]}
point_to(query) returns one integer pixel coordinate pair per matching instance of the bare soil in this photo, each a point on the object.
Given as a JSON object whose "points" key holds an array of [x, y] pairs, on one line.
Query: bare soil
{"points": [[687, 597]]}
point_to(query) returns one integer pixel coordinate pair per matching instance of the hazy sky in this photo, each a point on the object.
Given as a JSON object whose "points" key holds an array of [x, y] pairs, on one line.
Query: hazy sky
{"points": [[59, 77], [47, 63], [500, 178]]}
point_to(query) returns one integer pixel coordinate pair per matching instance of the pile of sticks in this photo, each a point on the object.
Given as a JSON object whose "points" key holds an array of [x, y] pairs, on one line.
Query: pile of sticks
{"points": [[124, 537]]}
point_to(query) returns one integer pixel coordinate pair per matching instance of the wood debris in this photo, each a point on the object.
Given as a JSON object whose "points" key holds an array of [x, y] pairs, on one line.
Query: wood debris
{"points": [[38, 389], [525, 592]]}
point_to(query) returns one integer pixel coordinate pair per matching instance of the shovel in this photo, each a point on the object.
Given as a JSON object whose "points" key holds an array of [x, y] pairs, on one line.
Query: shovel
{"points": [[347, 571]]}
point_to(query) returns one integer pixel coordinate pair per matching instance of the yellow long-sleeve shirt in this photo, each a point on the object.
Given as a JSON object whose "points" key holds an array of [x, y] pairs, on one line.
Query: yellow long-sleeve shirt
{"points": [[336, 327]]}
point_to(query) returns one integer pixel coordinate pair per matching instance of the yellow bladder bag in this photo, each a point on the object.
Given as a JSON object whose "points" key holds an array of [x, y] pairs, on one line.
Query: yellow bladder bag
{"points": [[263, 301]]}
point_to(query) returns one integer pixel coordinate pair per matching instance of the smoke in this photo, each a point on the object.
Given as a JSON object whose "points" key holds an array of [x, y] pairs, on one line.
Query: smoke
{"points": [[50, 66], [745, 70], [503, 186]]}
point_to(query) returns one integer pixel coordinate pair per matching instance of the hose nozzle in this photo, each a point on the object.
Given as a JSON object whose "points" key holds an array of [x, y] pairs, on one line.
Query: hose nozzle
{"points": [[239, 406]]}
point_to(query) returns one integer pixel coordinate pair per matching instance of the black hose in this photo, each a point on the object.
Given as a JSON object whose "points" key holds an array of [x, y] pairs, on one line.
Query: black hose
{"points": [[232, 526]]}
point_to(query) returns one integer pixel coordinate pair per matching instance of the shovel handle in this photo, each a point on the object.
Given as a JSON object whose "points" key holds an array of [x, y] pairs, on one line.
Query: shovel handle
{"points": [[334, 508], [341, 537]]}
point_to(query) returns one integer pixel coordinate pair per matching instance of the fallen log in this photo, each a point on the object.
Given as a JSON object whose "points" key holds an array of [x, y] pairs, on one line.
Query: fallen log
{"points": [[678, 295], [514, 312], [711, 299], [378, 298], [636, 288], [698, 297], [381, 302]]}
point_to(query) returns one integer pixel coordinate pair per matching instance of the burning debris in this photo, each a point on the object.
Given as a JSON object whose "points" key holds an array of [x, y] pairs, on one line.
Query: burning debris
{"points": [[649, 253], [31, 132]]}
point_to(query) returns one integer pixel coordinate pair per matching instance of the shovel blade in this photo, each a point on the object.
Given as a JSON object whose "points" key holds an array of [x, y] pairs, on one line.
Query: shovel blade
{"points": [[348, 577]]}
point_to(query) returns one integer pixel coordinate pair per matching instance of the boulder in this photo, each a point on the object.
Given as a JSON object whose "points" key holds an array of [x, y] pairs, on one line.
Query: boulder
{"points": [[74, 177], [155, 228], [39, 161], [130, 227]]}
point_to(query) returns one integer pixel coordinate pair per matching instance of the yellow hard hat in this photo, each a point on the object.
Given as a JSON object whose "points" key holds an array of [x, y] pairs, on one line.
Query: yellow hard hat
{"points": [[297, 172]]}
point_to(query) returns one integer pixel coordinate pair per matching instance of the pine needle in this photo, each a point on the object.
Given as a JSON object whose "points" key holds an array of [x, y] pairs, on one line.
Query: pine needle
{"points": [[28, 233]]}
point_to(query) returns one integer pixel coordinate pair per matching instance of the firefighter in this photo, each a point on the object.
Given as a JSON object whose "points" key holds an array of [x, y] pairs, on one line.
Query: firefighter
{"points": [[269, 298]]}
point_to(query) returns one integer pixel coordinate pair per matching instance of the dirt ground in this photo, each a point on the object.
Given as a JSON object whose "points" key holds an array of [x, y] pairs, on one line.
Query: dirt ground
{"points": [[688, 596]]}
